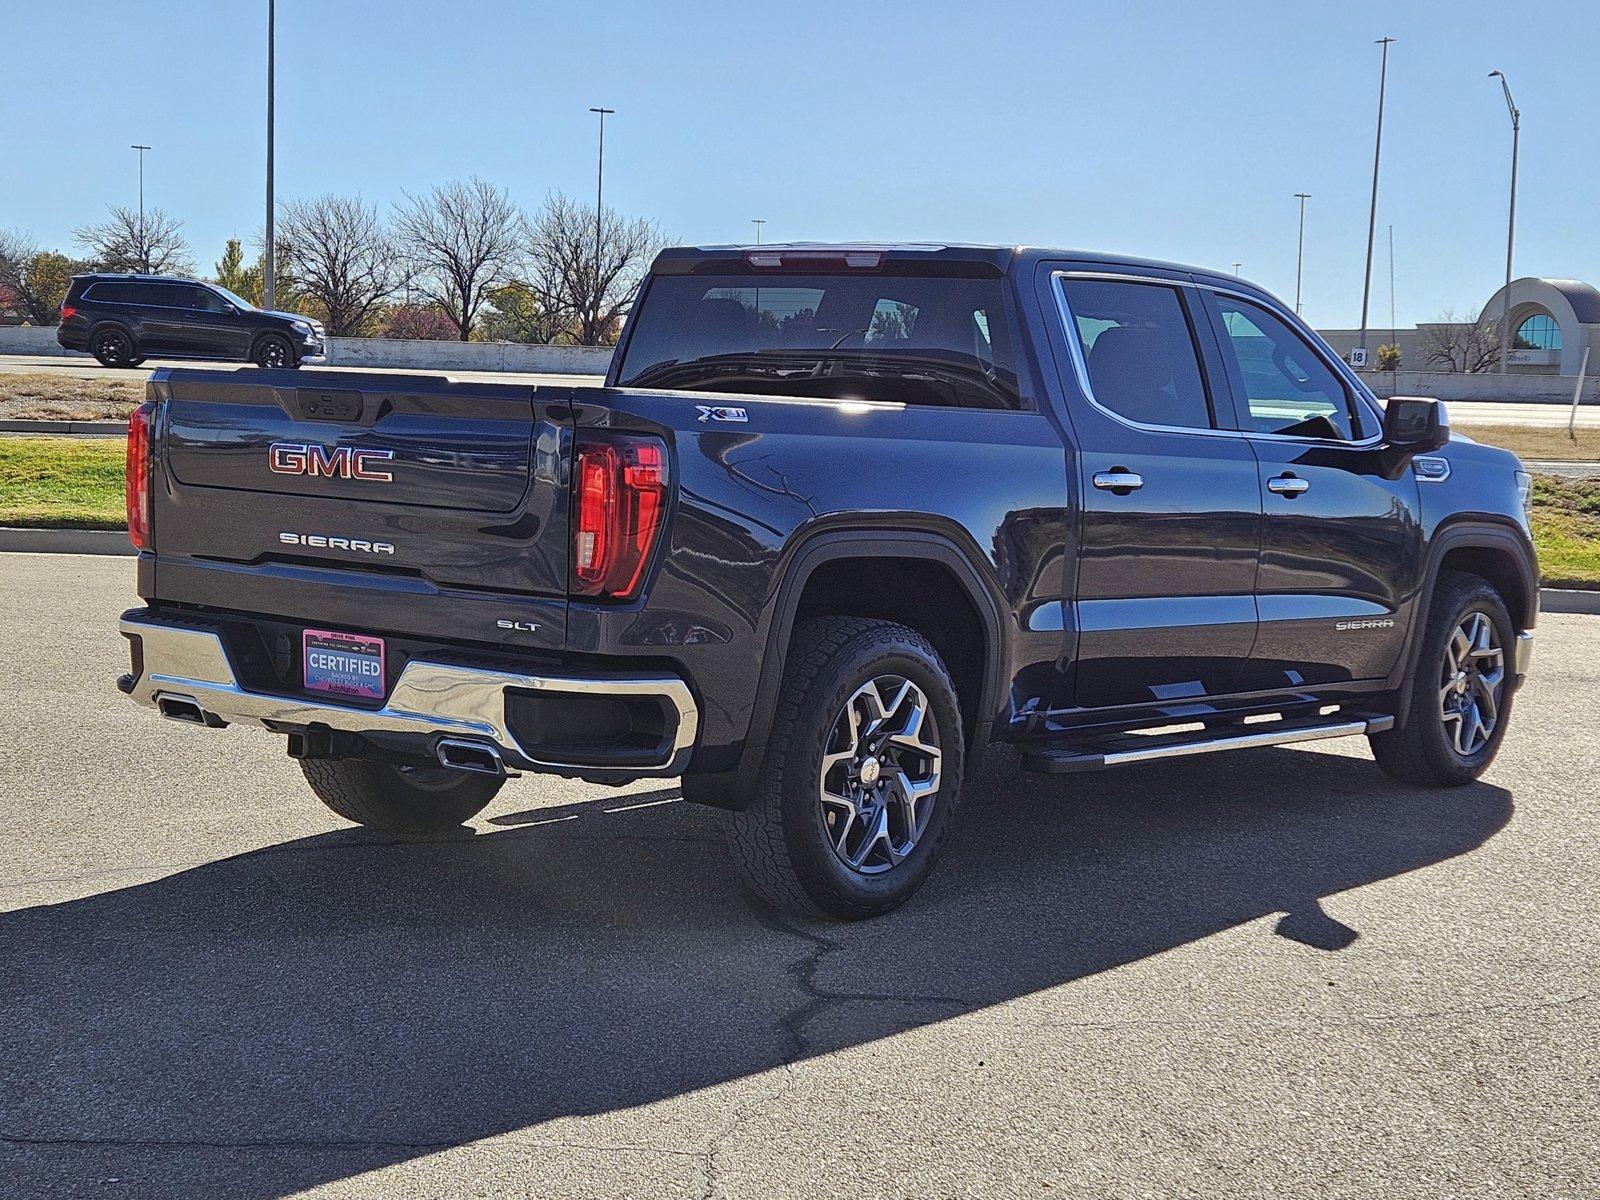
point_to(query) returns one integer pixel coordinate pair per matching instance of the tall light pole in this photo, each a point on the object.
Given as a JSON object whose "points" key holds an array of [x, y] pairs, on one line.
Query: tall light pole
{"points": [[758, 222], [599, 196], [1300, 254], [1236, 267], [1511, 225], [144, 251], [270, 269], [1372, 214]]}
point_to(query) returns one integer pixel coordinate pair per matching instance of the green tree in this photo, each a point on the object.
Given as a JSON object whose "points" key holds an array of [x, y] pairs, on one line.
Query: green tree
{"points": [[1389, 357], [38, 278], [233, 274]]}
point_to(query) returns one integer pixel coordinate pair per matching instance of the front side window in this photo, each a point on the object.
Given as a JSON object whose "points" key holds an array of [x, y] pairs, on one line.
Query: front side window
{"points": [[1290, 390], [923, 339], [1139, 351]]}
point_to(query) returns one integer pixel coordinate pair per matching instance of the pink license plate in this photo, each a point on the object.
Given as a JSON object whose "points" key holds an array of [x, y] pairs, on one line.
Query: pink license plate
{"points": [[346, 664]]}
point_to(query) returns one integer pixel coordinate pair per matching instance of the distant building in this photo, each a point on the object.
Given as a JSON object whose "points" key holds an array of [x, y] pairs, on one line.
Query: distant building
{"points": [[1552, 321]]}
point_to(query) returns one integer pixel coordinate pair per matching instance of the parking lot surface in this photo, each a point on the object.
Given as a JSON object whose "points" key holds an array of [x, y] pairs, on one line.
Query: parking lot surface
{"points": [[1263, 974]]}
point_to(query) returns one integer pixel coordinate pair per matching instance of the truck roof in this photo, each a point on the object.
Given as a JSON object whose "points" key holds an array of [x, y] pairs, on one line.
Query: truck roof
{"points": [[688, 260]]}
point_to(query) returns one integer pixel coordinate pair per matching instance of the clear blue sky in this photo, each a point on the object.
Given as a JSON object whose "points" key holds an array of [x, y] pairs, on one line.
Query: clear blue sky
{"points": [[1169, 129]]}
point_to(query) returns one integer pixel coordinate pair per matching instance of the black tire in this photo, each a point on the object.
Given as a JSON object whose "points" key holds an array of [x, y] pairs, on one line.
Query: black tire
{"points": [[410, 801], [114, 348], [1423, 750], [274, 350], [781, 843]]}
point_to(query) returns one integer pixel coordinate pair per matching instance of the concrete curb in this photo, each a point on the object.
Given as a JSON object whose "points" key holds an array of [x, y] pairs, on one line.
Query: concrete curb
{"points": [[67, 428], [1569, 600], [64, 541]]}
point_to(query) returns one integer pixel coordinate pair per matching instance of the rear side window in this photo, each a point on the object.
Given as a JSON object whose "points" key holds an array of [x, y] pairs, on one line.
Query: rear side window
{"points": [[927, 340], [1139, 351], [107, 292], [1290, 389]]}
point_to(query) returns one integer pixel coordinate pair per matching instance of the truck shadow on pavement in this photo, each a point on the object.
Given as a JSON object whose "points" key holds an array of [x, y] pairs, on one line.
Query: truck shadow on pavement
{"points": [[318, 1009]]}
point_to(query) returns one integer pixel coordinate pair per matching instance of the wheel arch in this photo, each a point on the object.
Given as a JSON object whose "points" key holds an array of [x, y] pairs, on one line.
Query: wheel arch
{"points": [[1498, 552], [809, 580]]}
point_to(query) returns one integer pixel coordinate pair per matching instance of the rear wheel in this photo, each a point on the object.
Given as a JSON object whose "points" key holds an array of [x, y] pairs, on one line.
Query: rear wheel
{"points": [[862, 772], [411, 801], [114, 348], [1461, 698], [274, 350]]}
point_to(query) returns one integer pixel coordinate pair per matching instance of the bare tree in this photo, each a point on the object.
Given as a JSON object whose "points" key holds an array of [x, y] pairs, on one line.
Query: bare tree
{"points": [[37, 278], [1469, 345], [588, 275], [125, 242], [338, 255], [462, 240]]}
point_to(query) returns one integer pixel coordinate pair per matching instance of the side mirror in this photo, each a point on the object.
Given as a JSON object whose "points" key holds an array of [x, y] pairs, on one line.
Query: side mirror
{"points": [[1415, 425]]}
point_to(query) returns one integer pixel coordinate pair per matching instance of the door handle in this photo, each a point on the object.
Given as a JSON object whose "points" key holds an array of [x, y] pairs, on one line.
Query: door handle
{"points": [[1288, 485], [1118, 481]]}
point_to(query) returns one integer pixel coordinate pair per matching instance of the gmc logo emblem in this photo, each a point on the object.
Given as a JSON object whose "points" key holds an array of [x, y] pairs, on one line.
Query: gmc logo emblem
{"points": [[342, 462]]}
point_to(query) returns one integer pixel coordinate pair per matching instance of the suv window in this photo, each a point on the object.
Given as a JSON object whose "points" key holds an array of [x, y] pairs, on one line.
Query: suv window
{"points": [[1290, 389], [107, 292], [1140, 352], [926, 339]]}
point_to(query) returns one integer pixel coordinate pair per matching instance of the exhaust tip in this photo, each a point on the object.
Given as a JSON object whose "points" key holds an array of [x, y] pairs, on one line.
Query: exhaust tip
{"points": [[183, 709], [463, 755]]}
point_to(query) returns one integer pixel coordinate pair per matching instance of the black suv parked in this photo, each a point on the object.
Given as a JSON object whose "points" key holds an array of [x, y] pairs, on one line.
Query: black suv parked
{"points": [[122, 319]]}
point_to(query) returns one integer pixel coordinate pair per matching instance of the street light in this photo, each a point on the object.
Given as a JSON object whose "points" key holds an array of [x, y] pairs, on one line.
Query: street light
{"points": [[1236, 267], [1300, 254], [1511, 224], [1372, 214], [758, 222], [144, 251], [270, 268], [599, 194]]}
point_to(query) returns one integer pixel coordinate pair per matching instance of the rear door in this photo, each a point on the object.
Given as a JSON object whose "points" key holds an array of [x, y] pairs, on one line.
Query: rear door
{"points": [[1171, 510], [378, 502], [1341, 542]]}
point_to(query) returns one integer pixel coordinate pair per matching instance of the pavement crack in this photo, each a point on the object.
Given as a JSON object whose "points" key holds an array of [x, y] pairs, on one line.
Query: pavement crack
{"points": [[1419, 1017]]}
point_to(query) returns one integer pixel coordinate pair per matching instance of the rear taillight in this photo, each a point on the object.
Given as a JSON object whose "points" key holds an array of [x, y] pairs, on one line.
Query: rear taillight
{"points": [[619, 506], [68, 312], [137, 478]]}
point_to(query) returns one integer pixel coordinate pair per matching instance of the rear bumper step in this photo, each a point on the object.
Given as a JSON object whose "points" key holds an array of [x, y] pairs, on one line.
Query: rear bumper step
{"points": [[1132, 748], [186, 675]]}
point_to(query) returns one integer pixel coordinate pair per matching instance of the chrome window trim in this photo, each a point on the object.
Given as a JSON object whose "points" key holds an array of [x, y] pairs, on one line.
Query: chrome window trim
{"points": [[1080, 363]]}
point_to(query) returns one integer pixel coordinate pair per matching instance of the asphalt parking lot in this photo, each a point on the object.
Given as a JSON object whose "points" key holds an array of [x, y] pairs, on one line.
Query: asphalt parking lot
{"points": [[1268, 974]]}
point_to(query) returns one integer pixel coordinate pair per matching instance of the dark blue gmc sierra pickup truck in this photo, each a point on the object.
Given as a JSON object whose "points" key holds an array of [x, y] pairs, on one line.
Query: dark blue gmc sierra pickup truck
{"points": [[840, 516]]}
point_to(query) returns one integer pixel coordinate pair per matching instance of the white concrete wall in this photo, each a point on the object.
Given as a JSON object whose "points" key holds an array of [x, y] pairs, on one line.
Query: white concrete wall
{"points": [[468, 356], [29, 339], [392, 353], [1487, 385]]}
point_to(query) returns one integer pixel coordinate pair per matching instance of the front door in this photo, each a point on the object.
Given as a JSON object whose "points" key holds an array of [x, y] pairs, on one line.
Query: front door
{"points": [[1341, 542], [1170, 508]]}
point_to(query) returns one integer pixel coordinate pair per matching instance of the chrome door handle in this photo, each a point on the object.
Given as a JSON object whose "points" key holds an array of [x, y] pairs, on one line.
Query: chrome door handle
{"points": [[1118, 481], [1287, 485]]}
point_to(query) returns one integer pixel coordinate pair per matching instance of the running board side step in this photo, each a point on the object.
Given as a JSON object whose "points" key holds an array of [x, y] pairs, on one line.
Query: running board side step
{"points": [[1068, 759]]}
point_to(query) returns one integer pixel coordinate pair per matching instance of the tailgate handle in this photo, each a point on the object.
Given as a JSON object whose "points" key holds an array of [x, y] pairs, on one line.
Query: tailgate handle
{"points": [[330, 406]]}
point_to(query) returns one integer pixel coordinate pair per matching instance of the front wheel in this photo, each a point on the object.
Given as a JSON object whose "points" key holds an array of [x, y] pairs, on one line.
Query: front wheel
{"points": [[1461, 697], [410, 801], [863, 770], [274, 351]]}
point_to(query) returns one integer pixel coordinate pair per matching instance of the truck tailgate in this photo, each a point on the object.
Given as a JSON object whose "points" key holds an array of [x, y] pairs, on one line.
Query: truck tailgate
{"points": [[400, 503]]}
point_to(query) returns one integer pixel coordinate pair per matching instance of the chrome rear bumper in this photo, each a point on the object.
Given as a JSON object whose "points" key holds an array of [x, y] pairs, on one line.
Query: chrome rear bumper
{"points": [[181, 666]]}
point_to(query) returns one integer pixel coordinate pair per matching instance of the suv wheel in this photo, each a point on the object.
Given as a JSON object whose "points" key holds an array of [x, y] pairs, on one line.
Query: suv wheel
{"points": [[1461, 698], [862, 773], [114, 348], [274, 350], [410, 801]]}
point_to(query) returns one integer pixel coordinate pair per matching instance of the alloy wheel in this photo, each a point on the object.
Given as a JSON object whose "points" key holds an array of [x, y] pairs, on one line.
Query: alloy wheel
{"points": [[274, 354], [1472, 683], [114, 349], [880, 774]]}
